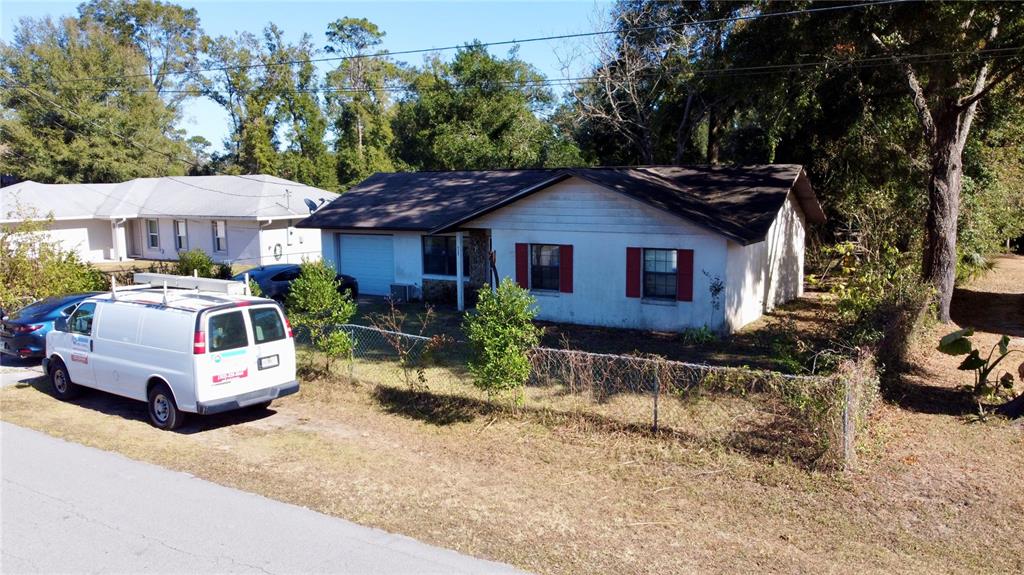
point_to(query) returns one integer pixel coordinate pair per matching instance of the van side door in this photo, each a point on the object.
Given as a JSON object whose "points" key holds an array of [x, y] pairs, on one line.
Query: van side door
{"points": [[79, 354], [116, 359]]}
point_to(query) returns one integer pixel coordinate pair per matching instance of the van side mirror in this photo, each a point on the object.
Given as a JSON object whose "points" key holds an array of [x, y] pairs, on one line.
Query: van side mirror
{"points": [[61, 324]]}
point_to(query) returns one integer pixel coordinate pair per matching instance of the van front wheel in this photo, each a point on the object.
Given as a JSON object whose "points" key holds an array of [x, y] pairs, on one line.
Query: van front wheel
{"points": [[60, 379], [163, 411]]}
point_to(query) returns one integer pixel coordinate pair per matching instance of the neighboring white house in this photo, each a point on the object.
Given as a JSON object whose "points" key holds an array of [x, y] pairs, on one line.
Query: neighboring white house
{"points": [[660, 248], [236, 219]]}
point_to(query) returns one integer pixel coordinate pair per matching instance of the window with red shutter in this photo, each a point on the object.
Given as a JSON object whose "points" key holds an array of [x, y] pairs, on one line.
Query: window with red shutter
{"points": [[523, 265], [565, 269], [684, 275], [634, 270]]}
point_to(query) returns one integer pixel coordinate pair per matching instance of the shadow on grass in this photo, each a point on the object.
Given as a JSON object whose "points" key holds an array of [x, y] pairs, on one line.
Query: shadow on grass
{"points": [[110, 404], [779, 439]]}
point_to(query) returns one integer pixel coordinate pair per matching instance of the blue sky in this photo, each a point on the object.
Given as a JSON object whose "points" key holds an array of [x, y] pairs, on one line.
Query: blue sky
{"points": [[409, 25]]}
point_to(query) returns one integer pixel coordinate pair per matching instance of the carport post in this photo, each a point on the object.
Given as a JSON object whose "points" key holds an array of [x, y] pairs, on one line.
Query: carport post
{"points": [[459, 271]]}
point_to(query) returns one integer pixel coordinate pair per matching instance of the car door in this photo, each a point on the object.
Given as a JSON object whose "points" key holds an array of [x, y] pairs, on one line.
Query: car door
{"points": [[80, 338], [281, 283]]}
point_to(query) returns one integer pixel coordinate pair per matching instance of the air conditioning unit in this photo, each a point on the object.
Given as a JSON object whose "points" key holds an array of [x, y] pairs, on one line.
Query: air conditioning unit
{"points": [[402, 293]]}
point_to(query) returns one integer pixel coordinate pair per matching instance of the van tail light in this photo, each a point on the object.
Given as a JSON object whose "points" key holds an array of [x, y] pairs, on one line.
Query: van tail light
{"points": [[288, 325], [199, 343], [26, 328]]}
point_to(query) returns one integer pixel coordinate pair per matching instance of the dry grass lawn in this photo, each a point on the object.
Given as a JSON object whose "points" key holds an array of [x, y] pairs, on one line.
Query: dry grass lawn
{"points": [[559, 494]]}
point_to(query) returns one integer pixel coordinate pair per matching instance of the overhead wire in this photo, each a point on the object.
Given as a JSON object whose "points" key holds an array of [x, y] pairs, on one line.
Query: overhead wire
{"points": [[683, 25]]}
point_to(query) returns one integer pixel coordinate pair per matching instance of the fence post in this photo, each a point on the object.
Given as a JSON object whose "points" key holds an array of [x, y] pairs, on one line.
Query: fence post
{"points": [[657, 392], [848, 426]]}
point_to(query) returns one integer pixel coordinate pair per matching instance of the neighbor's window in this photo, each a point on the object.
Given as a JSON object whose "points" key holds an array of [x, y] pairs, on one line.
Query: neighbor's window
{"points": [[180, 235], [439, 255], [660, 274], [227, 331], [266, 324], [220, 236], [544, 267], [153, 233]]}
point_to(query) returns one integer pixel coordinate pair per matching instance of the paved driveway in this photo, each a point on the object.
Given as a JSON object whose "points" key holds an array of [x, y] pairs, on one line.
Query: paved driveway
{"points": [[68, 508], [14, 370]]}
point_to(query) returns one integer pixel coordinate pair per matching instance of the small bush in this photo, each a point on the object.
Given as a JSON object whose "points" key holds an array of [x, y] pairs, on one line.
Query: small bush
{"points": [[223, 271], [254, 288], [317, 309], [501, 333], [195, 260]]}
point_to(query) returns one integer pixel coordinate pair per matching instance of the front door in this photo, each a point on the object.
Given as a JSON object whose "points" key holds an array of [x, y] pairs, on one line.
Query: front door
{"points": [[134, 239], [80, 340]]}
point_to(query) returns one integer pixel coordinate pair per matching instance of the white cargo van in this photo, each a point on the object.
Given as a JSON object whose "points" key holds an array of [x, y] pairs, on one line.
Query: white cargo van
{"points": [[202, 350]]}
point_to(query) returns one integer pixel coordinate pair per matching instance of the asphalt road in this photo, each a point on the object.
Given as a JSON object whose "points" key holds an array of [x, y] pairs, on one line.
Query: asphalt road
{"points": [[68, 508]]}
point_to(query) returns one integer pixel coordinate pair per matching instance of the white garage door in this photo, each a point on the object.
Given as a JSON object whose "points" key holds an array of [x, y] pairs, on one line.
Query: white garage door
{"points": [[369, 259]]}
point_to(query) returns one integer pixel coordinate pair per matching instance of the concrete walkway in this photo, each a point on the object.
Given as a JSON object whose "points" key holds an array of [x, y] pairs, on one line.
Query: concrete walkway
{"points": [[69, 508]]}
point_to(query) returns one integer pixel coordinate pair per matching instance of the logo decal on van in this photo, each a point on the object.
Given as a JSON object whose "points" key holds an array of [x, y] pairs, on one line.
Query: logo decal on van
{"points": [[218, 356], [80, 358], [80, 341], [224, 377]]}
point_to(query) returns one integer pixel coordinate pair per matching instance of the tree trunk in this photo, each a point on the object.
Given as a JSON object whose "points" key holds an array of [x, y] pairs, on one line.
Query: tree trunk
{"points": [[683, 131], [944, 183], [714, 135]]}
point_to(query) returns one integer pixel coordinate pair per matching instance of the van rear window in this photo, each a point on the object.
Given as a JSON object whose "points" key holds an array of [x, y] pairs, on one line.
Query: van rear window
{"points": [[266, 324], [227, 331]]}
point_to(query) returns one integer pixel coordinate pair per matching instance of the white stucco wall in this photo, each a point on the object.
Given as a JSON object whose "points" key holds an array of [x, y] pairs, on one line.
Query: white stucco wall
{"points": [[600, 225], [768, 273], [296, 244], [92, 240]]}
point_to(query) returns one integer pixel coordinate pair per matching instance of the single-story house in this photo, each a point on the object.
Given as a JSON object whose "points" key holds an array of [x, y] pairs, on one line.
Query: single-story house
{"points": [[658, 247], [236, 219]]}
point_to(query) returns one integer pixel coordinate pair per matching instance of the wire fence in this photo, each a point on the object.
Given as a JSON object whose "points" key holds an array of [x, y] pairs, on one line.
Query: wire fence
{"points": [[813, 419]]}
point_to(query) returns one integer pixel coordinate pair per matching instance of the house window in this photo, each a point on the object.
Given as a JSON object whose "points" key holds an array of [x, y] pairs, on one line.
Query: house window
{"points": [[544, 271], [153, 233], [220, 236], [439, 253], [660, 274], [180, 235]]}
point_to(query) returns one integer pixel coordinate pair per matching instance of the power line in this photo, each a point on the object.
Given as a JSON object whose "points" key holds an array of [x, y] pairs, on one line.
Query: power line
{"points": [[683, 25], [868, 62]]}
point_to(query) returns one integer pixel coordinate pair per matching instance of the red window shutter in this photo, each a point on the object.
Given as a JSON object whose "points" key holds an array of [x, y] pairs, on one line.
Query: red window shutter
{"points": [[684, 275], [633, 271], [565, 269], [523, 265]]}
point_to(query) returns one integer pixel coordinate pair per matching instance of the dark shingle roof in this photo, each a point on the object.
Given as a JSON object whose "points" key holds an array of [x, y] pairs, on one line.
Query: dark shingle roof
{"points": [[737, 202]]}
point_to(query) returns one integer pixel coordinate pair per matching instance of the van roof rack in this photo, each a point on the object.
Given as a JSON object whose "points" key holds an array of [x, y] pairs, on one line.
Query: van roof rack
{"points": [[228, 287]]}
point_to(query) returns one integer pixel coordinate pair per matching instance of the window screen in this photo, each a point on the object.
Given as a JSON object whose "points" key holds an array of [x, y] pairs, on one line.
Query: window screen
{"points": [[660, 274], [227, 331], [153, 233], [544, 267], [266, 324]]}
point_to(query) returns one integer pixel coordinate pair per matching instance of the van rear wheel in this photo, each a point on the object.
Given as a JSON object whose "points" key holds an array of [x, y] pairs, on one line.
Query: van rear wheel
{"points": [[163, 411], [60, 379]]}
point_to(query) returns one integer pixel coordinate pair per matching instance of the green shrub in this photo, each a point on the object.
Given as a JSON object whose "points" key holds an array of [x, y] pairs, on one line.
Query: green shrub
{"points": [[223, 271], [316, 308], [194, 261], [33, 267], [501, 333], [254, 288]]}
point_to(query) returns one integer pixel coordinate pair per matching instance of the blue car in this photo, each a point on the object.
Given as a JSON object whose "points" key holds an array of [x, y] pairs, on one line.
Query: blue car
{"points": [[275, 280], [23, 333]]}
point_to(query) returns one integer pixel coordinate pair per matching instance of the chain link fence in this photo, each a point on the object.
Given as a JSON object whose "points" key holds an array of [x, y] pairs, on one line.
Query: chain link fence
{"points": [[810, 419]]}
